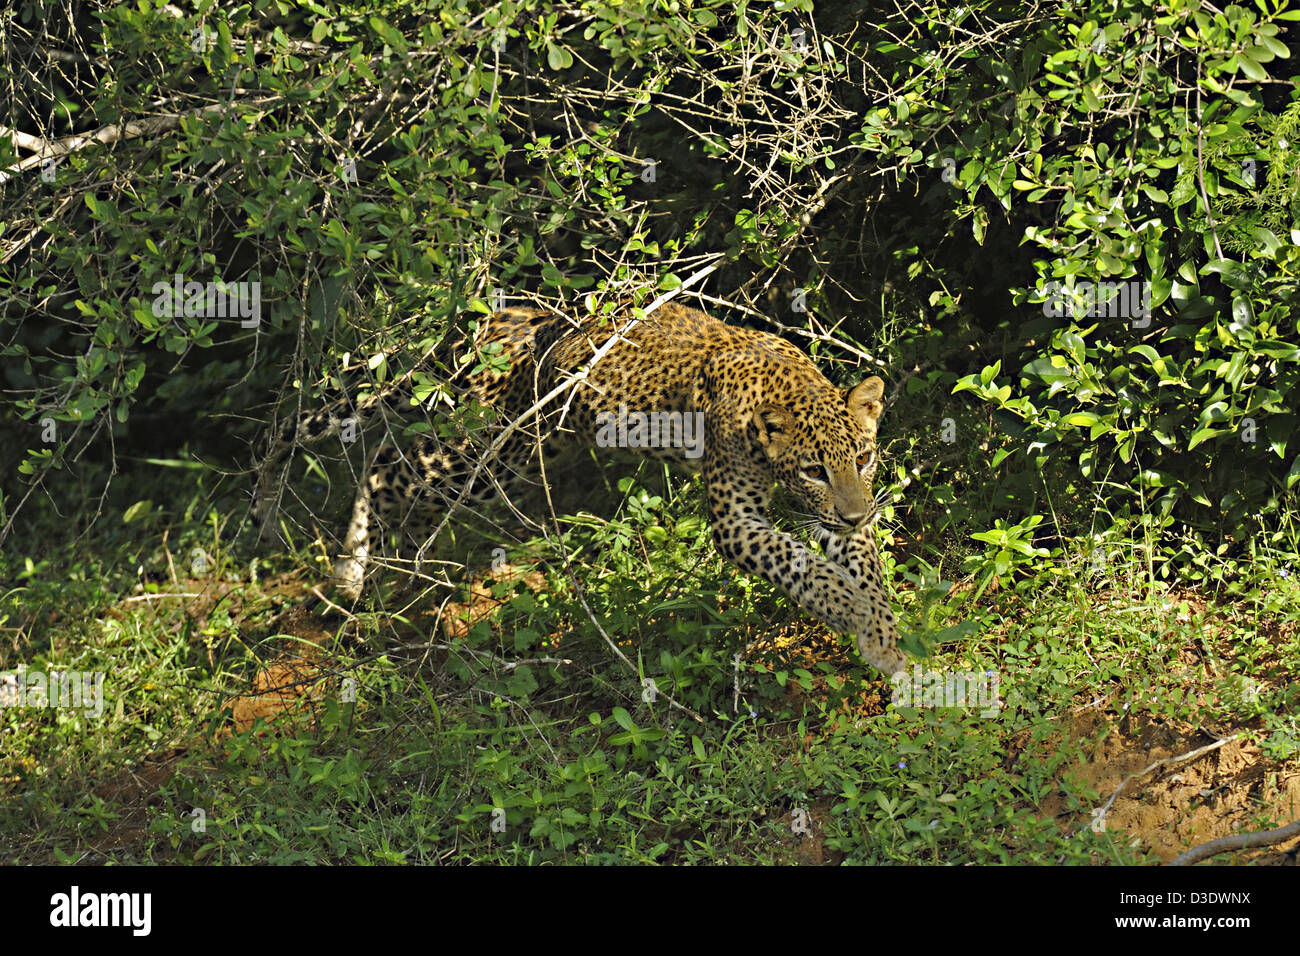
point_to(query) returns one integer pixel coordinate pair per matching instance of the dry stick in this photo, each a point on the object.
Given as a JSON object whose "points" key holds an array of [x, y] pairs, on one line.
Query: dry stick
{"points": [[328, 603], [34, 144], [505, 664], [511, 665], [20, 244], [582, 598], [113, 133], [1171, 761], [806, 333], [1242, 841], [171, 565]]}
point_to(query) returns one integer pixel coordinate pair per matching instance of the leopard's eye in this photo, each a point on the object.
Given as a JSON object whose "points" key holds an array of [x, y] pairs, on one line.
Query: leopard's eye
{"points": [[817, 473], [866, 458]]}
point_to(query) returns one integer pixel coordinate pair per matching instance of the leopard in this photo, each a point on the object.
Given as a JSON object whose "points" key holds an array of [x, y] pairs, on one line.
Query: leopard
{"points": [[769, 420]]}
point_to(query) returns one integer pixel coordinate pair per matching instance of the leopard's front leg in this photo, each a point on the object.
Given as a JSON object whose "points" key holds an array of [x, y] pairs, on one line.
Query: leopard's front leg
{"points": [[857, 554], [844, 599]]}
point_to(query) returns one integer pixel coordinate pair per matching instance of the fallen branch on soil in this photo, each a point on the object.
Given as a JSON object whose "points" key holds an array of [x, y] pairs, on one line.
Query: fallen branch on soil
{"points": [[1099, 815], [1242, 841]]}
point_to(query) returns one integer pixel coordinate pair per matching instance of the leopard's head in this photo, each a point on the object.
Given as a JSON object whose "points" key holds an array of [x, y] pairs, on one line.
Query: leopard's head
{"points": [[820, 444]]}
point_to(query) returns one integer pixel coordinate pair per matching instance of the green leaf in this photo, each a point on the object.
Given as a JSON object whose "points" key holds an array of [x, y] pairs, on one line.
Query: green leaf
{"points": [[552, 275], [1154, 478], [1149, 353], [1252, 69], [1214, 412], [1264, 237], [138, 510], [1051, 370], [1293, 475], [557, 57], [1081, 419], [1235, 275], [389, 34], [1278, 350]]}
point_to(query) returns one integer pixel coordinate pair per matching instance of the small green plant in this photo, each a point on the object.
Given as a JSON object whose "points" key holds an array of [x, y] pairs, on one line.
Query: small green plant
{"points": [[1008, 548]]}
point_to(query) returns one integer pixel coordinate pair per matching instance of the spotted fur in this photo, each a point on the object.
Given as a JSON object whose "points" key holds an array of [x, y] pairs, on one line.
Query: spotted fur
{"points": [[770, 417]]}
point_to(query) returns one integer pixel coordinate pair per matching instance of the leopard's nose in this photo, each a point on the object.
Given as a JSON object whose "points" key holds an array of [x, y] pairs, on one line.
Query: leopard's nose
{"points": [[853, 516]]}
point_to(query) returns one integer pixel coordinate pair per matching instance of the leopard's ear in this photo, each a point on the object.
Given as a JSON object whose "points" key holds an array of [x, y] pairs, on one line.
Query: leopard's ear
{"points": [[773, 428], [864, 401]]}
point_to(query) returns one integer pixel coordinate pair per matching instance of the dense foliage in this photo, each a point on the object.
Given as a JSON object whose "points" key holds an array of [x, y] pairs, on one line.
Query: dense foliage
{"points": [[954, 187], [1066, 233]]}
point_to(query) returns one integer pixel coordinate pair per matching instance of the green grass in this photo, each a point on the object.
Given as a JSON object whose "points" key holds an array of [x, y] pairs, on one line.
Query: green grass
{"points": [[418, 749]]}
